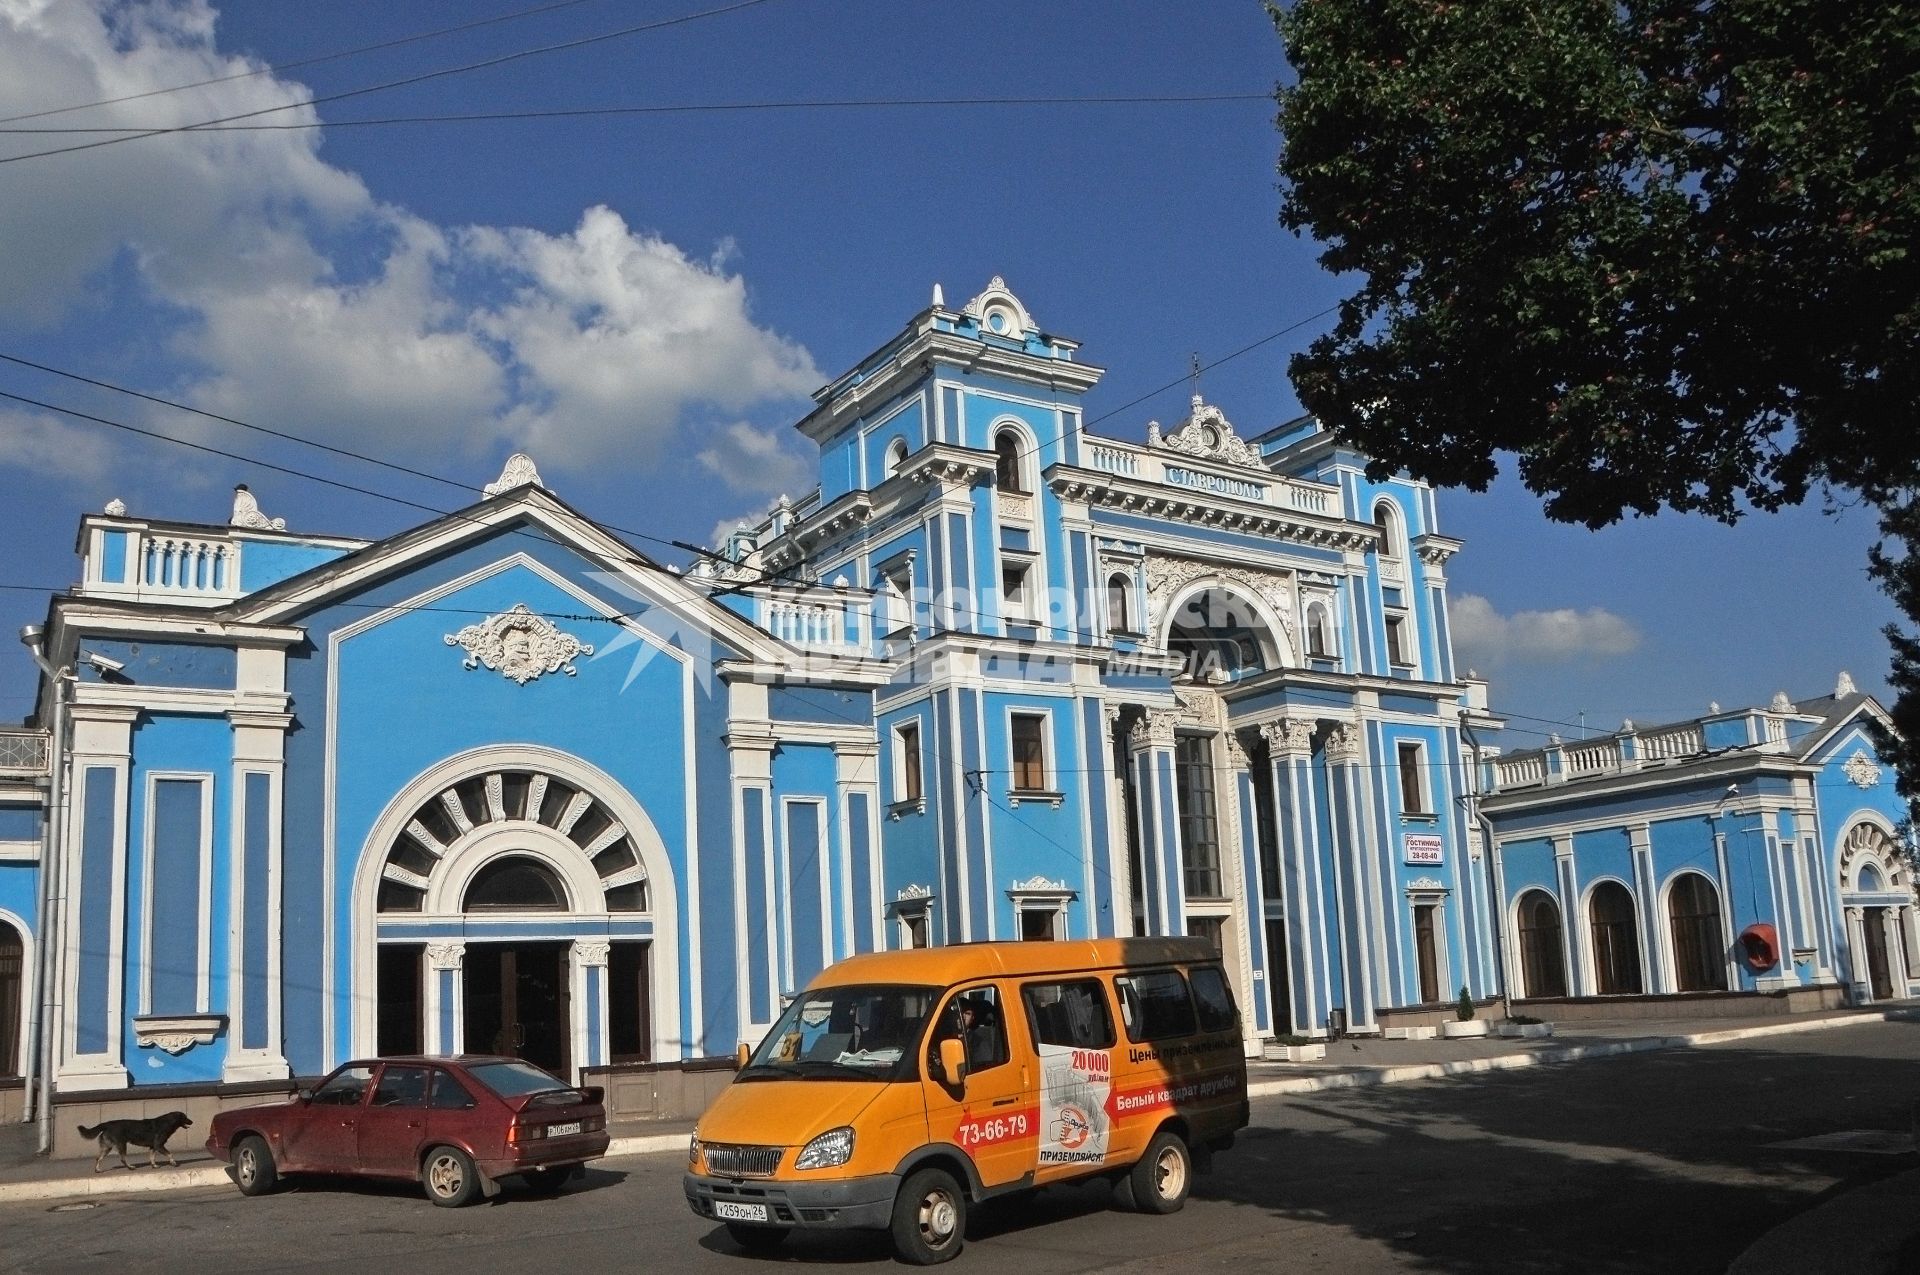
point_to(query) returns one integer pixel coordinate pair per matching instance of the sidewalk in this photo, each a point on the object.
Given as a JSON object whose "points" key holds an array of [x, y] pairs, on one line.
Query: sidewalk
{"points": [[1872, 1225]]}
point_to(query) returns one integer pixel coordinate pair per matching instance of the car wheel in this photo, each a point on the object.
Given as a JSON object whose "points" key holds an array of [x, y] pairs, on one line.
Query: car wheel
{"points": [[757, 1239], [450, 1178], [254, 1171], [546, 1181], [1163, 1176], [929, 1218]]}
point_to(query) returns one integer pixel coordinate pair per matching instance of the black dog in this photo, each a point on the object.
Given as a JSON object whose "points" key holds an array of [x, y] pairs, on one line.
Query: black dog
{"points": [[118, 1135]]}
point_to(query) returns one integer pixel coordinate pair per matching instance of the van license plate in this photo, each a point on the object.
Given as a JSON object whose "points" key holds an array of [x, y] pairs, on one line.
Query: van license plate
{"points": [[739, 1212], [562, 1130]]}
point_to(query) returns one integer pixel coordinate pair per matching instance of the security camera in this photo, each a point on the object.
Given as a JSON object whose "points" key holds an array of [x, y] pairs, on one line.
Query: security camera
{"points": [[1733, 790], [103, 664]]}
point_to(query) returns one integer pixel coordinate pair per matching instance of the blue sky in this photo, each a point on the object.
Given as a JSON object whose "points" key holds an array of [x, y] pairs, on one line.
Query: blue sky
{"points": [[645, 300]]}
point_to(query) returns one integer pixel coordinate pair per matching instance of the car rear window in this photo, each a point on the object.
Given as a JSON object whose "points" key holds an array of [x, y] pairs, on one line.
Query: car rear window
{"points": [[511, 1079], [1155, 1005], [1213, 998]]}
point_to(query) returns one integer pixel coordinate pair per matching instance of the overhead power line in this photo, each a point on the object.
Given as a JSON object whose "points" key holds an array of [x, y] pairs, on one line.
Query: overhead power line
{"points": [[289, 66], [677, 108], [423, 76]]}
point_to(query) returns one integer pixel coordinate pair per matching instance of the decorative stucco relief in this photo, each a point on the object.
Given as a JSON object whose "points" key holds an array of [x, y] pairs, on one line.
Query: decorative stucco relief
{"points": [[1861, 771], [520, 645], [1166, 577], [1208, 435]]}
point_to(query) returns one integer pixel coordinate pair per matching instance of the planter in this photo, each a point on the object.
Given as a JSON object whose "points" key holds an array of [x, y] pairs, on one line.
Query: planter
{"points": [[1523, 1031], [1295, 1053], [1462, 1030], [1427, 1032]]}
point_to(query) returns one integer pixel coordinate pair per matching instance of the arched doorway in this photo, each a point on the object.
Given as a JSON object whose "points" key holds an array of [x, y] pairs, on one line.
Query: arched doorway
{"points": [[1616, 940], [1222, 637], [1699, 939], [1543, 966], [516, 900], [13, 965], [1876, 891]]}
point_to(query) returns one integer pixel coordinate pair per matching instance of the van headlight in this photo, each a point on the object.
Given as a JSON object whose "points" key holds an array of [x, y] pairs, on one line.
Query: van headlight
{"points": [[693, 1152], [830, 1150]]}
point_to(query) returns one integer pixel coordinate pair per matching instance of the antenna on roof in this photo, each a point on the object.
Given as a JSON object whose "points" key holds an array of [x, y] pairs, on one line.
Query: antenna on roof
{"points": [[1193, 375]]}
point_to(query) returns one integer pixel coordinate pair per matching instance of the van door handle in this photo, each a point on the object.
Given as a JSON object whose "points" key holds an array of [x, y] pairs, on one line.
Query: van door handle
{"points": [[1006, 1102]]}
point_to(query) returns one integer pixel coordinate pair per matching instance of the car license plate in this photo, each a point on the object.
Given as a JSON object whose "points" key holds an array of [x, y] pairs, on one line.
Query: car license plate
{"points": [[562, 1130], [739, 1212]]}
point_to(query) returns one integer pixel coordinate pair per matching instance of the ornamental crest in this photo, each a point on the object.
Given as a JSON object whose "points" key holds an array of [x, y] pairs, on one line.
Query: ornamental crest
{"points": [[1861, 771], [520, 645], [1208, 435]]}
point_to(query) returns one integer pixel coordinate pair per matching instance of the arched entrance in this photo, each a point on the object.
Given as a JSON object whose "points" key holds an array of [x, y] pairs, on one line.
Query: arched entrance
{"points": [[1699, 939], [517, 901], [1616, 940], [1223, 636], [1877, 896], [1543, 966]]}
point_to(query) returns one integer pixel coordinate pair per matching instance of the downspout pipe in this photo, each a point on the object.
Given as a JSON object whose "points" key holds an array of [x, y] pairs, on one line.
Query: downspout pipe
{"points": [[40, 1025], [1496, 904]]}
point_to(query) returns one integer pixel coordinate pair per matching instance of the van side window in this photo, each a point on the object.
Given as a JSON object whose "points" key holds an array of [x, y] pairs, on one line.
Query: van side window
{"points": [[973, 1017], [1154, 1006], [1213, 998], [1072, 1014]]}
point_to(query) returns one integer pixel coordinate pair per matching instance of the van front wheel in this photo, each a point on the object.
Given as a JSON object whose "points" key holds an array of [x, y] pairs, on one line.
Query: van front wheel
{"points": [[929, 1218], [1163, 1176]]}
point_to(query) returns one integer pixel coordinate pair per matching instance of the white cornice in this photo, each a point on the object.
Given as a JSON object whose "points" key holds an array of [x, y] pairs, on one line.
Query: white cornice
{"points": [[1227, 513]]}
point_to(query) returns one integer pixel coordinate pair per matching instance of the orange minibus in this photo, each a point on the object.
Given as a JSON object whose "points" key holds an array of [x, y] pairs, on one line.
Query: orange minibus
{"points": [[901, 1088]]}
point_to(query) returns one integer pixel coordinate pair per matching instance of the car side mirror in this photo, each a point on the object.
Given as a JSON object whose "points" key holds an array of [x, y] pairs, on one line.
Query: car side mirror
{"points": [[952, 1060], [304, 1095]]}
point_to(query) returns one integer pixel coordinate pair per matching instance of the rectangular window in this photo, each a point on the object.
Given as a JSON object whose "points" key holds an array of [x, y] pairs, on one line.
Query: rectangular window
{"points": [[629, 1029], [1214, 1000], [1154, 1006], [1399, 645], [1039, 923], [1016, 592], [914, 931], [1199, 817], [1029, 732], [1413, 780], [906, 743], [896, 597], [399, 1020], [1071, 1014]]}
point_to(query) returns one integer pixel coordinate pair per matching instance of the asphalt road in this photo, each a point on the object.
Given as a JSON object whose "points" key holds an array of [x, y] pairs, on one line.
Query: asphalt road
{"points": [[1653, 1162]]}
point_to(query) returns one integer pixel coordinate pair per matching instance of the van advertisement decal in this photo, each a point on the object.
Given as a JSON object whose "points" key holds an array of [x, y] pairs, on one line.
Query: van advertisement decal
{"points": [[1158, 1097], [1074, 1088], [974, 1132]]}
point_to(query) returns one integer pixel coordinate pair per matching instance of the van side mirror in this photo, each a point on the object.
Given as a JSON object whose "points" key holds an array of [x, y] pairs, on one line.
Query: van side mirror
{"points": [[742, 1056], [952, 1060]]}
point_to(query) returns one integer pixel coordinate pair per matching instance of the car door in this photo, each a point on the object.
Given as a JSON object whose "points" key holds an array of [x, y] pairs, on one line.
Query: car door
{"points": [[325, 1135], [990, 1113], [393, 1127], [1071, 1024]]}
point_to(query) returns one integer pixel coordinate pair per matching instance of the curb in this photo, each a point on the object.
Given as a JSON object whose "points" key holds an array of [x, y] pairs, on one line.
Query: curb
{"points": [[199, 1175]]}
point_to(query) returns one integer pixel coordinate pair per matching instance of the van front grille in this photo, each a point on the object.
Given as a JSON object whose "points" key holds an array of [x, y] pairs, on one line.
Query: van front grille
{"points": [[742, 1161]]}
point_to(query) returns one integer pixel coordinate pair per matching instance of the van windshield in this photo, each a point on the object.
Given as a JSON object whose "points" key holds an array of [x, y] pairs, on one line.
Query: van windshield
{"points": [[861, 1032]]}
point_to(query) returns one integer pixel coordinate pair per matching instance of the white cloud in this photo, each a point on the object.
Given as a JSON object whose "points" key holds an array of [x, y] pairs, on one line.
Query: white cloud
{"points": [[305, 303], [46, 445], [757, 460], [1484, 638], [727, 526]]}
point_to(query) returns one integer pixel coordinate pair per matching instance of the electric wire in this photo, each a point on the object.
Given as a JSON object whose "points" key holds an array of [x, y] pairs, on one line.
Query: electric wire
{"points": [[314, 60], [421, 77]]}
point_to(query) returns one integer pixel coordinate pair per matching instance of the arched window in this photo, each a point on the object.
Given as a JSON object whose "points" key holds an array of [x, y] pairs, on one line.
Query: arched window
{"points": [[1006, 461], [13, 951], [1699, 947], [1616, 940], [516, 884], [1387, 518], [1319, 630], [1542, 964], [896, 456], [1119, 613]]}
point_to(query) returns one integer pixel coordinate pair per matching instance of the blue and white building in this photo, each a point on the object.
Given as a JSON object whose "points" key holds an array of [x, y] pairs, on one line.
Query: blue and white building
{"points": [[1752, 850], [505, 782]]}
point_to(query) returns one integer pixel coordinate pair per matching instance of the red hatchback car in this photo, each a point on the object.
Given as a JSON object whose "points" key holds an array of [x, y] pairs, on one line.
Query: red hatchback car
{"points": [[456, 1125]]}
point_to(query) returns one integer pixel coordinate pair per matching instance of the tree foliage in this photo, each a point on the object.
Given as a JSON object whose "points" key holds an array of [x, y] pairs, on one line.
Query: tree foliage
{"points": [[1661, 253]]}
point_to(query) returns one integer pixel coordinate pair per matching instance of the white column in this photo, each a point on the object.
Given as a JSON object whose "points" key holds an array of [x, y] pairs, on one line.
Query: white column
{"points": [[102, 752], [587, 976], [446, 1013], [259, 750]]}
